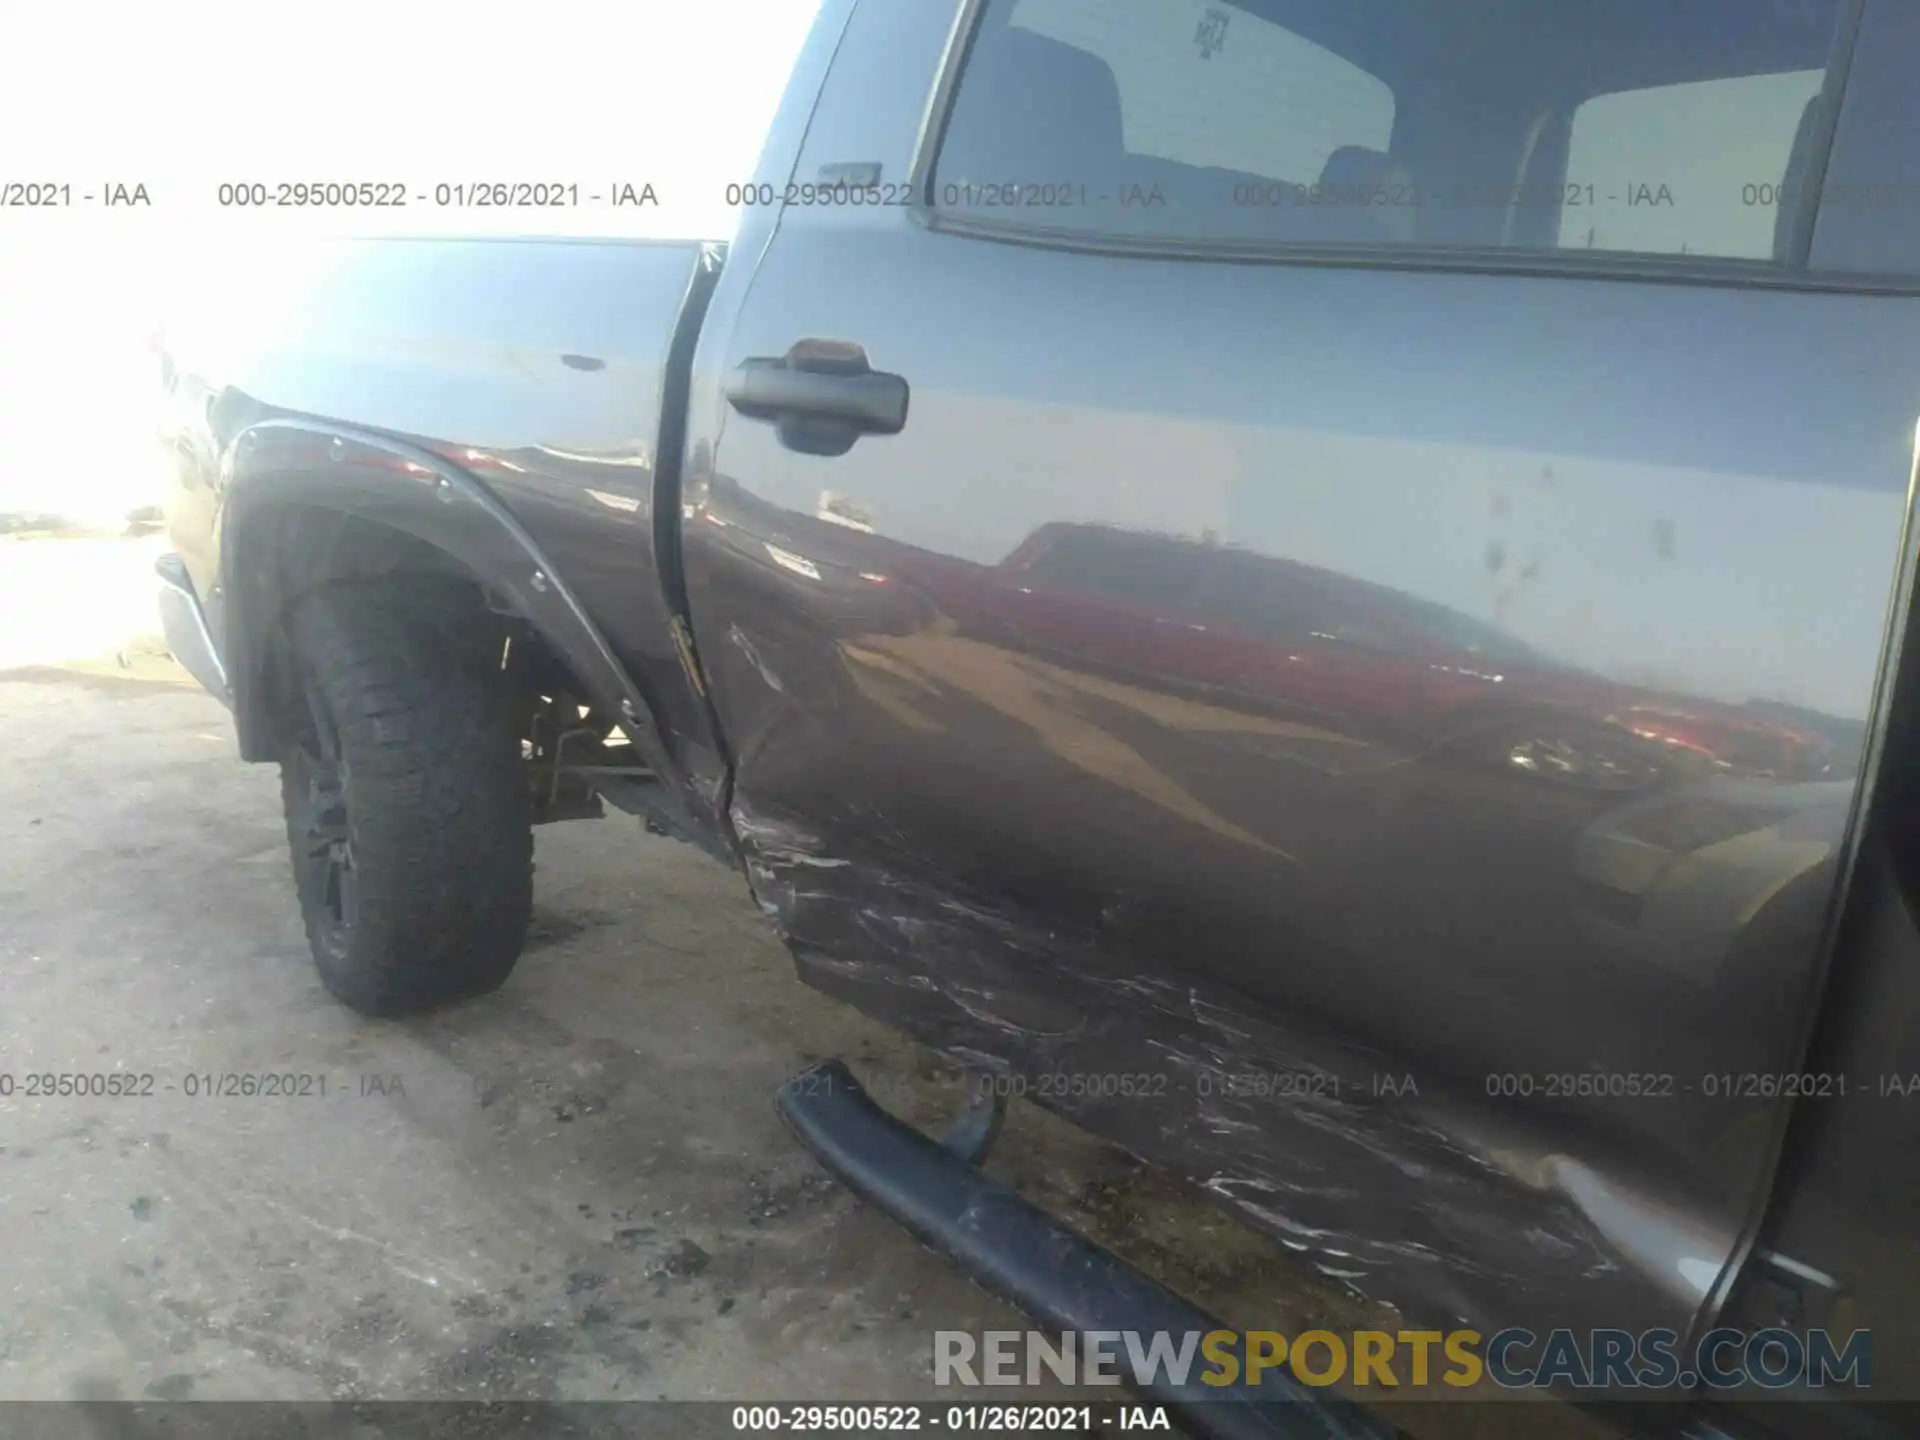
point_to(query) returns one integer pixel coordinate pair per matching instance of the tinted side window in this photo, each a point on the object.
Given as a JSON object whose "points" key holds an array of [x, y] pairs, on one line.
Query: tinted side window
{"points": [[1644, 127], [1223, 89]]}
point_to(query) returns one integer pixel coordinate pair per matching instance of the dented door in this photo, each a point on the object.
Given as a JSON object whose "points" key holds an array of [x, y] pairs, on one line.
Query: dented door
{"points": [[1379, 739]]}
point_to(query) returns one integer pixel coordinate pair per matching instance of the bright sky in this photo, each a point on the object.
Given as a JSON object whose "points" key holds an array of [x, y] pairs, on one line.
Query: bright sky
{"points": [[183, 95]]}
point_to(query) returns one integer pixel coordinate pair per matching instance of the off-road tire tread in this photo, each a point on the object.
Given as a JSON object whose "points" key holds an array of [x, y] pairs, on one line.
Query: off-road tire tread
{"points": [[437, 798]]}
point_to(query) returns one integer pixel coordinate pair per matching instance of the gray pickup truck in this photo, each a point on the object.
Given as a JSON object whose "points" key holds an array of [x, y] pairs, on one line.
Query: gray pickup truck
{"points": [[1317, 585]]}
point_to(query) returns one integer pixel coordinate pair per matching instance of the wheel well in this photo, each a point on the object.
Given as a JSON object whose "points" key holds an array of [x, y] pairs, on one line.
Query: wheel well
{"points": [[576, 738], [298, 547], [293, 550]]}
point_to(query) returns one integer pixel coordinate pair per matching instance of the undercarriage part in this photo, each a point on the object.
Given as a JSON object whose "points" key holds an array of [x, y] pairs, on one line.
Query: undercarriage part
{"points": [[1019, 1252], [576, 759]]}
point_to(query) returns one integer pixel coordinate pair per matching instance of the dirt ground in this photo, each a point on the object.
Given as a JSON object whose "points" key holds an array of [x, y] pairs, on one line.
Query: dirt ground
{"points": [[574, 1189]]}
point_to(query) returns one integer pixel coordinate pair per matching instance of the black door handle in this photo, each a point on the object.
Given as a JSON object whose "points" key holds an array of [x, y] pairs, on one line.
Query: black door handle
{"points": [[821, 394]]}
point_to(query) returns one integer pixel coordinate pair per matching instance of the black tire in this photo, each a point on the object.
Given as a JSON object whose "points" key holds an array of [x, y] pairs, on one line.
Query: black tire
{"points": [[408, 814]]}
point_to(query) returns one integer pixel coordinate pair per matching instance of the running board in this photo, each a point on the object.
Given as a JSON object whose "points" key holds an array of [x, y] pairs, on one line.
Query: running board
{"points": [[1025, 1256]]}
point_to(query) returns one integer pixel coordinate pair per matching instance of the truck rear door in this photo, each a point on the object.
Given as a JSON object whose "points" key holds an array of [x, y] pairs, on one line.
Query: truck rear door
{"points": [[1470, 382]]}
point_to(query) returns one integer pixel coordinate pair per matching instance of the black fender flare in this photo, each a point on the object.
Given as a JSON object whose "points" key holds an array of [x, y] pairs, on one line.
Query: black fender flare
{"points": [[284, 461]]}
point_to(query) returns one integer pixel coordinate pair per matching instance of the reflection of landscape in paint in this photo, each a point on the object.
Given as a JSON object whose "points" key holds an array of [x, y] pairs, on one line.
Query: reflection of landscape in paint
{"points": [[1369, 652], [1650, 569], [1710, 571]]}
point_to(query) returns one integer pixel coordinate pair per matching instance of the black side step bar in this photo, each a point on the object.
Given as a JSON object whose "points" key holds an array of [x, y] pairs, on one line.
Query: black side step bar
{"points": [[1022, 1254]]}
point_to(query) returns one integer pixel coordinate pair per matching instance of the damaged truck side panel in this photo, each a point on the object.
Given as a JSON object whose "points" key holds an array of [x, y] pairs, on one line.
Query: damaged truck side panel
{"points": [[1383, 735], [1167, 725]]}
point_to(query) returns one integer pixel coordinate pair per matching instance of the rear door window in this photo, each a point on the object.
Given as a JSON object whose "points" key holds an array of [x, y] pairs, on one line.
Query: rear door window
{"points": [[1648, 128], [1209, 85]]}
